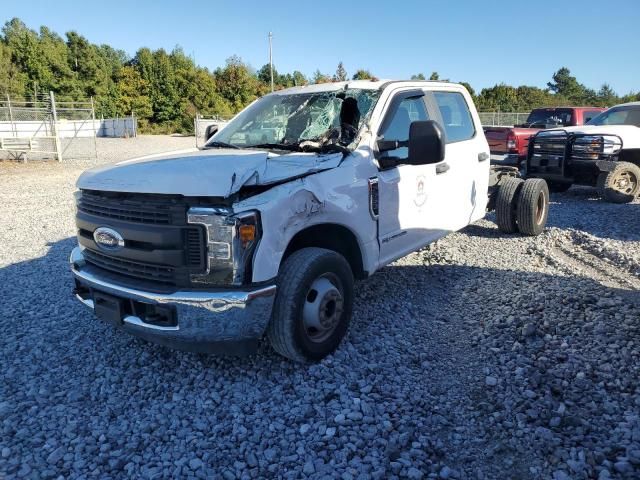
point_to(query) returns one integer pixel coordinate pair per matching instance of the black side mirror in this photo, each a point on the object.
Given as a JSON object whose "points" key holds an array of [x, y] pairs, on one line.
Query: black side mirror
{"points": [[426, 143], [210, 131]]}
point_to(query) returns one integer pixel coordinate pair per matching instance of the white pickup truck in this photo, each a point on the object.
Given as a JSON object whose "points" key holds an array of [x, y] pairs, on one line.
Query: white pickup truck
{"points": [[209, 250], [604, 153]]}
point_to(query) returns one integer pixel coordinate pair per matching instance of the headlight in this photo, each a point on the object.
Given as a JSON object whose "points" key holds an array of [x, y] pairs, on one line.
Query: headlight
{"points": [[592, 146], [230, 243]]}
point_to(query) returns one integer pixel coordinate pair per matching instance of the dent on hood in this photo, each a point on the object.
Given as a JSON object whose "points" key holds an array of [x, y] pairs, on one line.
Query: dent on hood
{"points": [[206, 173]]}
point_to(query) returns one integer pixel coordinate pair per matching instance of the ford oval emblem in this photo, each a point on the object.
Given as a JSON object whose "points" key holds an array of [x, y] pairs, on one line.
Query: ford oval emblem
{"points": [[108, 239]]}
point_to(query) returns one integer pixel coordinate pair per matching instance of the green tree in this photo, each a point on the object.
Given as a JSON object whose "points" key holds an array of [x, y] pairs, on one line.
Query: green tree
{"points": [[319, 77], [264, 74], [434, 76], [341, 73], [469, 88], [363, 75], [299, 79], [498, 98], [566, 85], [606, 96], [133, 94], [13, 82], [236, 84], [419, 76]]}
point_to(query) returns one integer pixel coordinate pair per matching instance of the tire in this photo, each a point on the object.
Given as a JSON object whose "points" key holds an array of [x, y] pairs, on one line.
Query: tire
{"points": [[533, 207], [620, 185], [306, 271], [558, 187], [506, 201]]}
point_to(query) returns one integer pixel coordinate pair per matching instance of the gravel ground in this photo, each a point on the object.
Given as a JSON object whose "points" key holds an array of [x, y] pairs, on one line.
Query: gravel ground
{"points": [[481, 356]]}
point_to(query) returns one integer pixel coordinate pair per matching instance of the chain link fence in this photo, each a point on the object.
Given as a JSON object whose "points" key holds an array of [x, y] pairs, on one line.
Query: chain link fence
{"points": [[502, 119], [43, 128], [27, 128]]}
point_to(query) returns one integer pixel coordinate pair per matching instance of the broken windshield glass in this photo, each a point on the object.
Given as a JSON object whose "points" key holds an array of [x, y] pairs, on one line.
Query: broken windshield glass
{"points": [[300, 120]]}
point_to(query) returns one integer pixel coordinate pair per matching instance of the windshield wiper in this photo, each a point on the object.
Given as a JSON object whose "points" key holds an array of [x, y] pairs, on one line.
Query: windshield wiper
{"points": [[221, 145], [303, 146], [293, 147]]}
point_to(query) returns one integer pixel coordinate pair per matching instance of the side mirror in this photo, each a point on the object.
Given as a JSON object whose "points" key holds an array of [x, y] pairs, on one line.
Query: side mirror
{"points": [[210, 131], [426, 143]]}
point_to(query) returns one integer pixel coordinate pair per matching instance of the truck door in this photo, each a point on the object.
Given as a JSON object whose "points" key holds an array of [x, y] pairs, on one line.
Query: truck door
{"points": [[411, 209], [466, 182]]}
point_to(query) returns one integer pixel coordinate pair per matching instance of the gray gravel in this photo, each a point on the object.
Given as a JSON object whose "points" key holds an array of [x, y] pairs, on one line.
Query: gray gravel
{"points": [[482, 356]]}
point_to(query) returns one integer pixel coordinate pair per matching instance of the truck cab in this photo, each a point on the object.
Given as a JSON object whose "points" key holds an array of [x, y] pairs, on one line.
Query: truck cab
{"points": [[209, 250]]}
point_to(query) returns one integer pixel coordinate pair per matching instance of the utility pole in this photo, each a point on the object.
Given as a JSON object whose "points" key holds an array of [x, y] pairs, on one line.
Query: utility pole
{"points": [[271, 57]]}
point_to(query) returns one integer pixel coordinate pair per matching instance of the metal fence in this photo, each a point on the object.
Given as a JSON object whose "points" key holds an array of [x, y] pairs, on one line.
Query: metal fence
{"points": [[200, 125], [27, 128], [37, 127], [502, 119]]}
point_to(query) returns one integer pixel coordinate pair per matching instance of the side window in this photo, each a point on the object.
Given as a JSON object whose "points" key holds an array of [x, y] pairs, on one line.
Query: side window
{"points": [[589, 114], [409, 110], [458, 124]]}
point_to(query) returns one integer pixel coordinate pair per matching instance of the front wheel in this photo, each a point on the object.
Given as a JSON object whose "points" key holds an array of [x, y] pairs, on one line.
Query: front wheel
{"points": [[313, 305], [620, 185]]}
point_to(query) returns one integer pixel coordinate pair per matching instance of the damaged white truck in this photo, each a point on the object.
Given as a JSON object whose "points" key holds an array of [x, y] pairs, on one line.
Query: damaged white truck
{"points": [[263, 233]]}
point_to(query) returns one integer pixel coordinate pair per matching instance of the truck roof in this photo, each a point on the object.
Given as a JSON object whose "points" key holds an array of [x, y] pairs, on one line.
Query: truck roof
{"points": [[568, 108], [361, 84], [628, 104]]}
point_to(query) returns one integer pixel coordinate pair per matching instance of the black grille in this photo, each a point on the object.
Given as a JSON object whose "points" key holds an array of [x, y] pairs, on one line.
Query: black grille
{"points": [[194, 247], [156, 273], [133, 209], [159, 245], [547, 154]]}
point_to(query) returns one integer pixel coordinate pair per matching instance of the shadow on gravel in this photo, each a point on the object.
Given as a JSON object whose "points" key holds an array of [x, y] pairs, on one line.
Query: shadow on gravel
{"points": [[408, 389]]}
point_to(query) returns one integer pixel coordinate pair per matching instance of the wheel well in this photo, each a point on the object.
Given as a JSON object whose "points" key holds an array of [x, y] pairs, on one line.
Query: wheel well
{"points": [[332, 237], [631, 155]]}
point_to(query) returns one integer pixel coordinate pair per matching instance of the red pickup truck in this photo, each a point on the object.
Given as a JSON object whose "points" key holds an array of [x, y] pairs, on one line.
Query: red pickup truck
{"points": [[508, 145]]}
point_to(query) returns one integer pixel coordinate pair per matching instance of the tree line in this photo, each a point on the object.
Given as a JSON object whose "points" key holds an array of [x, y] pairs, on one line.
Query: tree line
{"points": [[165, 90]]}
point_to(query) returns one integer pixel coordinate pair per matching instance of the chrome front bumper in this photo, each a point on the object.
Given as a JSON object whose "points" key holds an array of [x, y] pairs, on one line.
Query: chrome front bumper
{"points": [[223, 321]]}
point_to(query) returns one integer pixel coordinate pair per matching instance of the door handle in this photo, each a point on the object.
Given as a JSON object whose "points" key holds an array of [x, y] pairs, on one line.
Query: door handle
{"points": [[482, 156], [442, 168]]}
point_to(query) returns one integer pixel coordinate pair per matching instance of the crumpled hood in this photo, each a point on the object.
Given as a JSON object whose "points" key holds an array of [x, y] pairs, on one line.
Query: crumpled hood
{"points": [[629, 134], [204, 173]]}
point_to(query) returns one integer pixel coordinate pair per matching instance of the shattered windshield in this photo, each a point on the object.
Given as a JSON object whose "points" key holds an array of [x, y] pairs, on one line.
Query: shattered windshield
{"points": [[301, 121], [627, 115]]}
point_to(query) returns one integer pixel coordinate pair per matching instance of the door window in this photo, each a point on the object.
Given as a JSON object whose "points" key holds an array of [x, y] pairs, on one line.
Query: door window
{"points": [[589, 114], [409, 110], [456, 118]]}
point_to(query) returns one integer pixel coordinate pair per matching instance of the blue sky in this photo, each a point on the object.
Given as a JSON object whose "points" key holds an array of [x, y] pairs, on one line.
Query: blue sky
{"points": [[481, 42]]}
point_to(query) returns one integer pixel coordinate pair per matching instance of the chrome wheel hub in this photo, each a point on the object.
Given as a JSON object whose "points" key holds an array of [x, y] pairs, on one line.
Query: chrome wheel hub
{"points": [[322, 309]]}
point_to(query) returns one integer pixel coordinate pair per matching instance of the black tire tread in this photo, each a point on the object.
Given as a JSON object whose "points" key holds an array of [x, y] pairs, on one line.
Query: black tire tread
{"points": [[505, 211], [527, 204], [290, 276]]}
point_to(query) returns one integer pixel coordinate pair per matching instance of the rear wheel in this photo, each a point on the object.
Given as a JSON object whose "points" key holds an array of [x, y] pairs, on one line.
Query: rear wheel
{"points": [[506, 202], [620, 185], [313, 305], [533, 207]]}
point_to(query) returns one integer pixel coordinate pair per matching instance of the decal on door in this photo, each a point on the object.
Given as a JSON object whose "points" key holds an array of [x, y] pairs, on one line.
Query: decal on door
{"points": [[421, 194]]}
